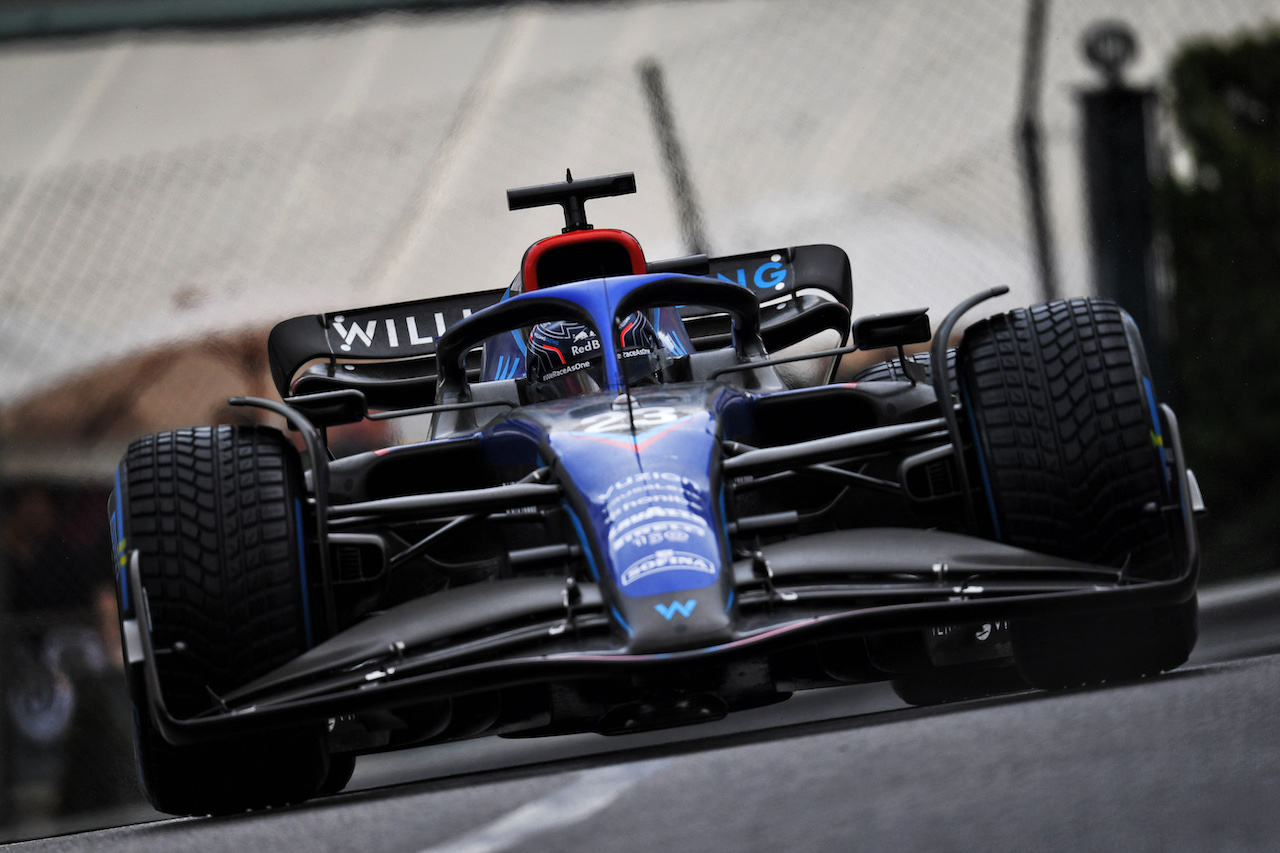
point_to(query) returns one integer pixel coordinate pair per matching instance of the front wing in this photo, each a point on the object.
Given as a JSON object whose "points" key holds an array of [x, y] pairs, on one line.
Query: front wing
{"points": [[539, 630]]}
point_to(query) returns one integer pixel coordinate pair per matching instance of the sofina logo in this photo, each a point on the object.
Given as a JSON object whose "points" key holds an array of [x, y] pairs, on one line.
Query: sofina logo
{"points": [[667, 559], [683, 608]]}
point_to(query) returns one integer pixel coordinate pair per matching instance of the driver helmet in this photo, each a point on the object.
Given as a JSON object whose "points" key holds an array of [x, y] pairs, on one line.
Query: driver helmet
{"points": [[565, 358]]}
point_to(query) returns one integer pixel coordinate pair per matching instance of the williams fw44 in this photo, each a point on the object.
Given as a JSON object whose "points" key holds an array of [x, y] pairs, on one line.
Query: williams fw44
{"points": [[641, 494]]}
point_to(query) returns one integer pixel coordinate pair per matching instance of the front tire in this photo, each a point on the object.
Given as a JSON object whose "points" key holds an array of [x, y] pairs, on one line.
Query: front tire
{"points": [[891, 369], [214, 513], [1071, 460]]}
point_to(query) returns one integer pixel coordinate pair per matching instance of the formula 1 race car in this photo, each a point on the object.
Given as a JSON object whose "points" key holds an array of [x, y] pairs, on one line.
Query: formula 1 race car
{"points": [[643, 498]]}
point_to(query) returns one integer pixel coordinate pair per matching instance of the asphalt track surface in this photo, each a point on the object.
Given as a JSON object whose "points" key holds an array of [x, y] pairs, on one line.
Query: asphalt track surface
{"points": [[1187, 761]]}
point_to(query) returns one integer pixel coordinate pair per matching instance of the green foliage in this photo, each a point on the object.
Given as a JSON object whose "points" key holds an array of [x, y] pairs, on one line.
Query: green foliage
{"points": [[1225, 230]]}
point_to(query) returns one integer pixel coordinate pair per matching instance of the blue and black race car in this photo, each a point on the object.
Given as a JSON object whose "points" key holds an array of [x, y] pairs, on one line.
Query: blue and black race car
{"points": [[647, 496]]}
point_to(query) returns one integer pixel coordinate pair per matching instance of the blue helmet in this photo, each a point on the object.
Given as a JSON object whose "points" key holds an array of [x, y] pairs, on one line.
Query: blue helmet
{"points": [[565, 358]]}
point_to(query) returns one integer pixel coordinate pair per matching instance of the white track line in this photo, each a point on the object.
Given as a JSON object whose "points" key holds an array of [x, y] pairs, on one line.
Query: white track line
{"points": [[593, 791]]}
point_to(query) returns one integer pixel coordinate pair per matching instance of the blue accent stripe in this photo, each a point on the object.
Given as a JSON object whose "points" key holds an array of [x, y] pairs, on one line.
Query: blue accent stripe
{"points": [[1155, 430], [302, 566], [118, 530], [621, 621], [724, 533], [519, 341], [724, 525], [982, 462], [582, 539], [670, 337]]}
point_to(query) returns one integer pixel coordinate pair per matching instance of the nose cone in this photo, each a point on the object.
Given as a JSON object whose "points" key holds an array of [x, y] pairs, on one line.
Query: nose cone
{"points": [[667, 623], [657, 525]]}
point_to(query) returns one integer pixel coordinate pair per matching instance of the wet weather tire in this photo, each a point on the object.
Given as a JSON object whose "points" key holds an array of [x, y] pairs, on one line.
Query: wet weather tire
{"points": [[213, 513], [1063, 417], [341, 768], [892, 368]]}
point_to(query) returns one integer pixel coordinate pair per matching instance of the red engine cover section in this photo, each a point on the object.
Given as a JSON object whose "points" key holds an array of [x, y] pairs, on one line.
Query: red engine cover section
{"points": [[580, 255]]}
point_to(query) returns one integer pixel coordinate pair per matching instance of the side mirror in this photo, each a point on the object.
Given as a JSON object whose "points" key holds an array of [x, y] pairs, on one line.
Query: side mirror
{"points": [[892, 330], [895, 330]]}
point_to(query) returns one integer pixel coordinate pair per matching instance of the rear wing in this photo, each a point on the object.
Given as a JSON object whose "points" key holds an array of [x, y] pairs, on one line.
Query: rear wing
{"points": [[401, 332], [777, 277], [399, 340]]}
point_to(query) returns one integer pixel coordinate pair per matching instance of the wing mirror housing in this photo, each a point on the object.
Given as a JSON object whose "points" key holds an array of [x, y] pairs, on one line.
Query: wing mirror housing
{"points": [[895, 330], [892, 330]]}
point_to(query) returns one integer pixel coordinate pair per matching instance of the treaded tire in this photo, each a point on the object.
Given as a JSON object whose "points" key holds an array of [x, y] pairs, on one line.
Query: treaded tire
{"points": [[341, 768], [892, 369], [212, 512], [1062, 413]]}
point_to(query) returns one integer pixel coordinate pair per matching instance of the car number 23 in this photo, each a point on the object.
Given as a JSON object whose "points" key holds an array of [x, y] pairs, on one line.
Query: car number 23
{"points": [[620, 421]]}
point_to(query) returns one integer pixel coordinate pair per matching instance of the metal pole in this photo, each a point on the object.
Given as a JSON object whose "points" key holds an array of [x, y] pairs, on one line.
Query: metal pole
{"points": [[664, 125], [6, 643], [1030, 147], [1118, 121]]}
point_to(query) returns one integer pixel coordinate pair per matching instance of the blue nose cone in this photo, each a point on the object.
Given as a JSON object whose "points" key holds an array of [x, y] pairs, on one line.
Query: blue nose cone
{"points": [[653, 497]]}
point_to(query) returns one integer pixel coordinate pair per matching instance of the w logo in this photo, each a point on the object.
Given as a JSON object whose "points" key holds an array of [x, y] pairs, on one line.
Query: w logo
{"points": [[669, 610], [365, 334]]}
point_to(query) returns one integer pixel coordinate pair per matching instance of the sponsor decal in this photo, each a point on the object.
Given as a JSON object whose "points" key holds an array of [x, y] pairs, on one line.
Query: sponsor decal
{"points": [[389, 332], [665, 561], [659, 532], [646, 478], [646, 500], [686, 492], [981, 633], [663, 512], [652, 508], [639, 498], [684, 608], [767, 276], [589, 346], [365, 333], [582, 365]]}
